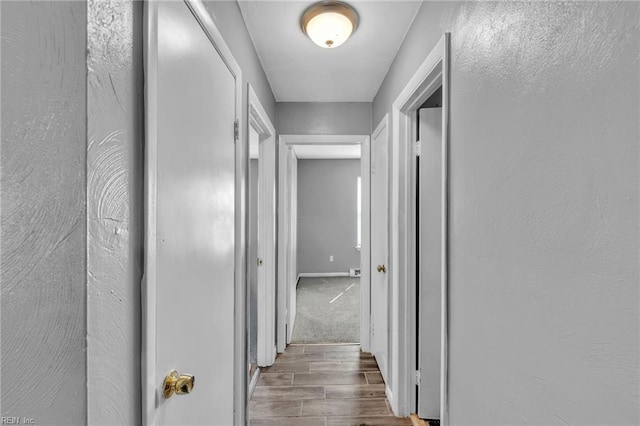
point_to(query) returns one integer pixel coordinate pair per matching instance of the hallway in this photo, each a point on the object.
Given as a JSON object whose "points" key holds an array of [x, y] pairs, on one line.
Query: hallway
{"points": [[326, 385], [508, 234]]}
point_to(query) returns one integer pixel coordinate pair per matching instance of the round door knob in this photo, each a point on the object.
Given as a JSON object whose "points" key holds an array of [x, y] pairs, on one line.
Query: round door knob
{"points": [[381, 268], [178, 384]]}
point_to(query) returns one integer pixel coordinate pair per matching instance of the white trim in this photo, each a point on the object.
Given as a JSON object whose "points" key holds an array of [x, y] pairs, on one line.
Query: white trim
{"points": [[148, 287], [323, 139], [322, 274], [253, 383], [430, 75], [283, 213], [148, 345], [390, 396], [259, 120], [286, 297]]}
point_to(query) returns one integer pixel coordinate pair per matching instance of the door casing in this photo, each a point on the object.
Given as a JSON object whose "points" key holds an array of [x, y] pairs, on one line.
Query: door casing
{"points": [[260, 121], [287, 179], [432, 73]]}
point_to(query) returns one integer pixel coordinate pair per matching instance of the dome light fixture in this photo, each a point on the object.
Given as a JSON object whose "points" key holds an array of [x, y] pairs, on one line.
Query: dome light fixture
{"points": [[329, 23]]}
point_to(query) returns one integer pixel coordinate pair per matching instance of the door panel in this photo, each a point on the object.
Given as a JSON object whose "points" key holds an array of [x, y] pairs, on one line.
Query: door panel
{"points": [[195, 220], [379, 249], [430, 262]]}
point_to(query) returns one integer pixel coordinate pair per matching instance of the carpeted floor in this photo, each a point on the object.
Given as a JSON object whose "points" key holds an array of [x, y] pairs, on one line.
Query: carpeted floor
{"points": [[328, 310]]}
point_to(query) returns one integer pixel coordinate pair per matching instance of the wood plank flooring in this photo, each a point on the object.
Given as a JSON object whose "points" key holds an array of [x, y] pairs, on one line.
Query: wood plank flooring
{"points": [[322, 385]]}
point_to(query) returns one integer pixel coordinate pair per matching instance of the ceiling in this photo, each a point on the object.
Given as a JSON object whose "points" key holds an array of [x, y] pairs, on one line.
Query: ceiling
{"points": [[300, 71]]}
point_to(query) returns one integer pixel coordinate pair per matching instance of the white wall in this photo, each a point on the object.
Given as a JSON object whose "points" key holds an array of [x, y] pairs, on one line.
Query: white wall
{"points": [[43, 221], [544, 264], [327, 215]]}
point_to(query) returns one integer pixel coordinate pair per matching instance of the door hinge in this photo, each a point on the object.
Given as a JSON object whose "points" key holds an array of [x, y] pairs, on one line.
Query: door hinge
{"points": [[417, 148], [236, 130], [417, 378]]}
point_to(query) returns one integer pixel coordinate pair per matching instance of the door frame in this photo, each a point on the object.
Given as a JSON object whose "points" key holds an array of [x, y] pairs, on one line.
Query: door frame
{"points": [[286, 247], [150, 388], [259, 120], [432, 73]]}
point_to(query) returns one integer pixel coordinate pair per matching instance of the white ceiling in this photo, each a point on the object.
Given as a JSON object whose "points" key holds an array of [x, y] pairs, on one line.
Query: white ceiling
{"points": [[300, 71], [317, 152]]}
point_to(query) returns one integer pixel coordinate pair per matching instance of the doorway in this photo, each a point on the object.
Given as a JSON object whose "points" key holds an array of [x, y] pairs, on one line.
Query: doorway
{"points": [[328, 244], [407, 219], [292, 146], [429, 254], [261, 246]]}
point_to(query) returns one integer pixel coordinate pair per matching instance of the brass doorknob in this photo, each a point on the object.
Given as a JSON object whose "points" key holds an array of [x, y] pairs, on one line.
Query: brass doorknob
{"points": [[178, 384], [381, 268]]}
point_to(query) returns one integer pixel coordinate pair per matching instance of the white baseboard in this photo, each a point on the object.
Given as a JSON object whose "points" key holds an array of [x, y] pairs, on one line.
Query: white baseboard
{"points": [[253, 383], [322, 274], [392, 400]]}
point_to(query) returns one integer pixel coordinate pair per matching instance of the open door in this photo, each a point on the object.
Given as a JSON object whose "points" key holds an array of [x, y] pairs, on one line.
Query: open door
{"points": [[263, 261], [191, 257], [430, 262], [380, 247]]}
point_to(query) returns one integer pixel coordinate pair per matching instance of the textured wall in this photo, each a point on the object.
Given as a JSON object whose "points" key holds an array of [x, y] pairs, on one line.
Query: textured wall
{"points": [[114, 210], [327, 215], [544, 207], [43, 211], [324, 118]]}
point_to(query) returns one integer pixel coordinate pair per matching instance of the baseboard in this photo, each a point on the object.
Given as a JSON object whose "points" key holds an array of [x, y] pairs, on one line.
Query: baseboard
{"points": [[253, 383], [392, 400], [322, 274]]}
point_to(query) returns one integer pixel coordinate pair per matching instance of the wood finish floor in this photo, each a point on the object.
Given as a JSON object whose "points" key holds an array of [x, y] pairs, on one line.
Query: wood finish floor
{"points": [[322, 385]]}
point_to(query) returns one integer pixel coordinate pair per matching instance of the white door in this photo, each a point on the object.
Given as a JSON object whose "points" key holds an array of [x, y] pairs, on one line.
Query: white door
{"points": [[292, 281], [194, 262], [266, 255], [429, 261], [380, 248]]}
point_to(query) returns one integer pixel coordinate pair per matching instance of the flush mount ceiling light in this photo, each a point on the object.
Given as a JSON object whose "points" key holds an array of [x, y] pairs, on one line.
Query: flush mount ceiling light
{"points": [[329, 23]]}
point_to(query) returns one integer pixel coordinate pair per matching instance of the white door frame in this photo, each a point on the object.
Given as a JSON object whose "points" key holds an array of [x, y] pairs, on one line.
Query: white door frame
{"points": [[433, 73], [285, 248], [150, 388], [259, 120]]}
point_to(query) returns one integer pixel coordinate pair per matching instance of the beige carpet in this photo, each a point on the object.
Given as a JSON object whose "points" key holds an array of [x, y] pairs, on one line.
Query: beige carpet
{"points": [[328, 310]]}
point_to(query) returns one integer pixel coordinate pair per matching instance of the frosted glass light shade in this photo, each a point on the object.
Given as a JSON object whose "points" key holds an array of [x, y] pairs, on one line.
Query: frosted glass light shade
{"points": [[329, 24]]}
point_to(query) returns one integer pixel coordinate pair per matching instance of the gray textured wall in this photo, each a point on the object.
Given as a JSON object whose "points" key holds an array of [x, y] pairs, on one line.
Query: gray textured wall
{"points": [[327, 215], [324, 118], [43, 222], [114, 210], [544, 207]]}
